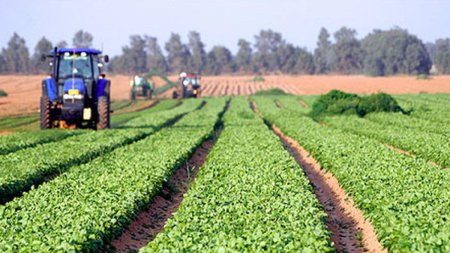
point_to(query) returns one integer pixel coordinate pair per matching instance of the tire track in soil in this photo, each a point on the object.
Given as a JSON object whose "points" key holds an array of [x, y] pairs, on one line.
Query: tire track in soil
{"points": [[150, 222], [350, 231]]}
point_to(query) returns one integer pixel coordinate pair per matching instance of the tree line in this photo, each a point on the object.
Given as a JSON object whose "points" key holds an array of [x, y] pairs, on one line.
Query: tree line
{"points": [[380, 53]]}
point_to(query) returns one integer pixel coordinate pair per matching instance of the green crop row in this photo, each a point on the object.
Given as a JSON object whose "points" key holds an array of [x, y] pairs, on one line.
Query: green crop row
{"points": [[22, 169], [405, 121], [406, 199], [250, 196], [13, 142], [430, 146], [149, 122], [90, 204], [429, 110], [14, 122], [163, 105]]}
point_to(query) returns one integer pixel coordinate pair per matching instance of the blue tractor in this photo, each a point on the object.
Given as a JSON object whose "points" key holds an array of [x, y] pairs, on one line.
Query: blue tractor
{"points": [[76, 93]]}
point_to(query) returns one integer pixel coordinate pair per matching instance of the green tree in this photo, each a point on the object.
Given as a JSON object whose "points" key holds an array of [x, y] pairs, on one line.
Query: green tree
{"points": [[442, 56], [220, 61], [178, 55], [244, 56], [322, 52], [123, 64], [198, 51], [287, 58], [82, 39], [155, 59], [267, 44], [3, 67], [43, 47], [304, 63], [394, 51], [136, 54], [347, 52], [16, 55]]}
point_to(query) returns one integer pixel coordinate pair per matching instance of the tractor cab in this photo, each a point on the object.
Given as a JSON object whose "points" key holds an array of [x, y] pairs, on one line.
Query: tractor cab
{"points": [[75, 94]]}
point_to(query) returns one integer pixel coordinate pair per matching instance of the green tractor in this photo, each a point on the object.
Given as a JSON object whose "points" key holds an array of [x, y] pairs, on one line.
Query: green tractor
{"points": [[141, 87]]}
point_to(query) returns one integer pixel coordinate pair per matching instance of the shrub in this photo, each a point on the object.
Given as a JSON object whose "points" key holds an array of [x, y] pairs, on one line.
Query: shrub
{"points": [[258, 79], [3, 93], [337, 102], [273, 91]]}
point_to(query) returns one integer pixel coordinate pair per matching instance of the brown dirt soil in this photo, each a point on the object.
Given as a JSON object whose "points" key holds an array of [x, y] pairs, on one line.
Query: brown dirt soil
{"points": [[346, 222], [313, 85], [5, 132], [24, 91], [151, 221], [303, 103], [278, 104]]}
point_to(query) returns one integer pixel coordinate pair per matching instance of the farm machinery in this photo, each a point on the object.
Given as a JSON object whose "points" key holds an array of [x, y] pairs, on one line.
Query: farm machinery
{"points": [[189, 86], [141, 87], [76, 93]]}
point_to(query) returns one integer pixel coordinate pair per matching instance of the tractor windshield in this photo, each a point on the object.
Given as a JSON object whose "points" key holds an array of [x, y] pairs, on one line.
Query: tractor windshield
{"points": [[75, 65]]}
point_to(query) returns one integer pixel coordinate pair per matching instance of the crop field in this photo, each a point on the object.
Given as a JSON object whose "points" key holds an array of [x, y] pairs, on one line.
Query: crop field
{"points": [[248, 173]]}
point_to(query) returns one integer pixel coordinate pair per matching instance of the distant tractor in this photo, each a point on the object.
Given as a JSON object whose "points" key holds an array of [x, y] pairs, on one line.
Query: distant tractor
{"points": [[141, 87], [189, 86], [76, 93]]}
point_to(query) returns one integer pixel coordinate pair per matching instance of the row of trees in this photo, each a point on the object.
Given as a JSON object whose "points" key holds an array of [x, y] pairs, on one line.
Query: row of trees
{"points": [[15, 58], [380, 53]]}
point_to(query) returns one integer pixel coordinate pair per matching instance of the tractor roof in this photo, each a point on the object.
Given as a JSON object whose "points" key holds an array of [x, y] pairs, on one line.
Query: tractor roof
{"points": [[79, 50]]}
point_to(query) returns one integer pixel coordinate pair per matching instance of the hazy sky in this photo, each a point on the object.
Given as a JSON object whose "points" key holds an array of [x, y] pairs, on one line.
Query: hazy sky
{"points": [[220, 22]]}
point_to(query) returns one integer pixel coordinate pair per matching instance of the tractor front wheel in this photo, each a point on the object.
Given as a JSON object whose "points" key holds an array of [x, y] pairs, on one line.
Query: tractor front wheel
{"points": [[103, 121], [45, 121]]}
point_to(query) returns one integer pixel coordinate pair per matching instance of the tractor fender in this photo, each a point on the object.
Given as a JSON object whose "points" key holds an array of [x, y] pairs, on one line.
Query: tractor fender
{"points": [[103, 86], [49, 89]]}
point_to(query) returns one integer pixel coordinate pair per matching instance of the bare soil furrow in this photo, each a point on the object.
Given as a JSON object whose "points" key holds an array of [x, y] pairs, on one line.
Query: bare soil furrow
{"points": [[351, 232]]}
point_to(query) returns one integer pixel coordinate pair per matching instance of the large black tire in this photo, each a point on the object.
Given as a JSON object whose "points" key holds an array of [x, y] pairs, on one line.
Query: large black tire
{"points": [[46, 120], [103, 121]]}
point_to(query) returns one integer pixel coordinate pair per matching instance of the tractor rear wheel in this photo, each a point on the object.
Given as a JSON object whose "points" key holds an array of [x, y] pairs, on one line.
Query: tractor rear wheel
{"points": [[103, 113], [45, 121]]}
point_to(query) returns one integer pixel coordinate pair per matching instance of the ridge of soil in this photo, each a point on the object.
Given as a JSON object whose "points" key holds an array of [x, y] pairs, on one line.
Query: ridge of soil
{"points": [[351, 232], [404, 152], [303, 103], [278, 104], [150, 222]]}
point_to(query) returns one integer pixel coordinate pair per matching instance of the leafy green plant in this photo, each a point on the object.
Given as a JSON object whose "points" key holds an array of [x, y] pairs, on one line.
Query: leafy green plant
{"points": [[401, 195], [90, 204], [257, 79], [250, 196], [270, 92], [33, 165]]}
